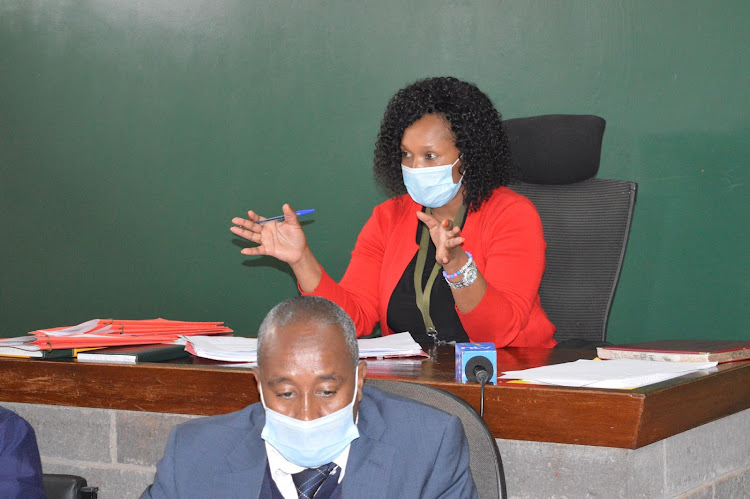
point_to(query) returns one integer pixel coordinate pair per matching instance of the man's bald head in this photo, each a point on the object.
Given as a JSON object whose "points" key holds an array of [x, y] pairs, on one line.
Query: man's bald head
{"points": [[309, 310]]}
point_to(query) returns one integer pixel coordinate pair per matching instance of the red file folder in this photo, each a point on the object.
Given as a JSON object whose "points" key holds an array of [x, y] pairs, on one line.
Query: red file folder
{"points": [[111, 332]]}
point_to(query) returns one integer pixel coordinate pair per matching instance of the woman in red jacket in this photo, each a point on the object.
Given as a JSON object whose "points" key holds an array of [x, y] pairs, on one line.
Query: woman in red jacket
{"points": [[454, 255]]}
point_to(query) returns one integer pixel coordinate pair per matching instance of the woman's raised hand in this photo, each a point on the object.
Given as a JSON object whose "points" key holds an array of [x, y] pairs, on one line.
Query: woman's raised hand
{"points": [[284, 240], [447, 240]]}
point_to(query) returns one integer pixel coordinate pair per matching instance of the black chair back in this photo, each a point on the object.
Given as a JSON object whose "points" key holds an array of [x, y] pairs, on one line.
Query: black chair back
{"points": [[60, 486], [586, 220]]}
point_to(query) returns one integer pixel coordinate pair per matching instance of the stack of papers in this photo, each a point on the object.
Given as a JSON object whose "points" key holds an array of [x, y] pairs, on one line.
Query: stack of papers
{"points": [[619, 373], [226, 348], [239, 349], [393, 345]]}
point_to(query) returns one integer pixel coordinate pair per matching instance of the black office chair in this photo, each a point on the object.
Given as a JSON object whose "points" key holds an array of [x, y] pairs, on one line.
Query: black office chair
{"points": [[58, 486], [586, 220], [484, 456]]}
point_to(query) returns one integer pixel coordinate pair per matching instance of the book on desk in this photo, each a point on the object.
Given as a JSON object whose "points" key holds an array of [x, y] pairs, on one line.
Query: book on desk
{"points": [[35, 353], [679, 351], [135, 354]]}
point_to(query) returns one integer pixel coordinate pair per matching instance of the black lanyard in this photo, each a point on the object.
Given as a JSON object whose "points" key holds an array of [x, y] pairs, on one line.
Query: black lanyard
{"points": [[423, 294]]}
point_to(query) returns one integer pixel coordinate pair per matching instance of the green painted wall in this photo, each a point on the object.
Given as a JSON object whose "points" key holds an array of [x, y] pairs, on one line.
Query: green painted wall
{"points": [[132, 132]]}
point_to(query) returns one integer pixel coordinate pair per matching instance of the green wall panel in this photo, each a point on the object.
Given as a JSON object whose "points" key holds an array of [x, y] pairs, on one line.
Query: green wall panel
{"points": [[132, 132]]}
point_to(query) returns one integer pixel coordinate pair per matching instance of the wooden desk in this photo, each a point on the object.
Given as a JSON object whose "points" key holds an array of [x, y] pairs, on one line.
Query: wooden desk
{"points": [[611, 418]]}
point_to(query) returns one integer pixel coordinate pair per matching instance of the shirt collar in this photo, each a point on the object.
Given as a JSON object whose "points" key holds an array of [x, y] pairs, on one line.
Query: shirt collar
{"points": [[282, 469]]}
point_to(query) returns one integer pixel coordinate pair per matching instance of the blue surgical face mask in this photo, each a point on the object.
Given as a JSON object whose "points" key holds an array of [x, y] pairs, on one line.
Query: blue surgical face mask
{"points": [[311, 443], [431, 186]]}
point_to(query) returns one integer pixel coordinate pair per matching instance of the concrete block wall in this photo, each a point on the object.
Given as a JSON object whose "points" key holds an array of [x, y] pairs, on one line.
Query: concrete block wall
{"points": [[117, 451], [711, 461], [114, 450]]}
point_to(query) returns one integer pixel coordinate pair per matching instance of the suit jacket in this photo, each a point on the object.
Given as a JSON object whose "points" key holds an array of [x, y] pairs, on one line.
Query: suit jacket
{"points": [[20, 465], [405, 449]]}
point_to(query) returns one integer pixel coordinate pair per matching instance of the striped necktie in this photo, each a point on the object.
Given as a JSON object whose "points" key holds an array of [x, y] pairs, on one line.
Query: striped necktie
{"points": [[309, 480]]}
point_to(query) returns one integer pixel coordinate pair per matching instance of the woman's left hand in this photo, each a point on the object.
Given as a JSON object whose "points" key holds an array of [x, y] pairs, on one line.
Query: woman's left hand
{"points": [[447, 240]]}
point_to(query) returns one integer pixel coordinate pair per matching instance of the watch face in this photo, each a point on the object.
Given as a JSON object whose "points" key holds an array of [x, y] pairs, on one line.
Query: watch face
{"points": [[469, 276]]}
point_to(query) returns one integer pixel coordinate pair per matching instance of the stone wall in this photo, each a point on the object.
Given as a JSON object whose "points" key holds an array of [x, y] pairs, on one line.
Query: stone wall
{"points": [[710, 461], [117, 451], [114, 450]]}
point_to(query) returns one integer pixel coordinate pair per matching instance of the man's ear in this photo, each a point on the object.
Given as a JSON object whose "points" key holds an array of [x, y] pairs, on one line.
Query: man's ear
{"points": [[256, 373], [361, 373]]}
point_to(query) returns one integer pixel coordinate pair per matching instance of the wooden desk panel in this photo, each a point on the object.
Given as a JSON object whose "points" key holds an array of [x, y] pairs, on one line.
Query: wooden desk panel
{"points": [[692, 400], [611, 418], [169, 388]]}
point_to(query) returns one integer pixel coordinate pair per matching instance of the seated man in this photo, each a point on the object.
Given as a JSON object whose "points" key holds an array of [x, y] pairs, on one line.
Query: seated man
{"points": [[20, 466], [317, 426]]}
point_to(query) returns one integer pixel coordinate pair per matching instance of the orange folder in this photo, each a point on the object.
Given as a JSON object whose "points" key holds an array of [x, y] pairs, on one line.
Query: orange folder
{"points": [[112, 332]]}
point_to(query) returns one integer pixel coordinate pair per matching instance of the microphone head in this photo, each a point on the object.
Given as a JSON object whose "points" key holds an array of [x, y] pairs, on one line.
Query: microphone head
{"points": [[477, 364]]}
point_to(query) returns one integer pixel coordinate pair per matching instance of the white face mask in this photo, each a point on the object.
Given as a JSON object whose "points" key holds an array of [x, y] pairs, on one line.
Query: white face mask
{"points": [[431, 186], [311, 443]]}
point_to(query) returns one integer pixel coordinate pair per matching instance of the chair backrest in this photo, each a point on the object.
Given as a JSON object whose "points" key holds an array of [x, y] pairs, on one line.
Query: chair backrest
{"points": [[586, 227], [586, 220], [59, 486], [484, 456]]}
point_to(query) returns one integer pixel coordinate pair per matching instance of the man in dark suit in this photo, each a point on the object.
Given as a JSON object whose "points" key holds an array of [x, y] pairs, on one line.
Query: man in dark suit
{"points": [[20, 465], [317, 427]]}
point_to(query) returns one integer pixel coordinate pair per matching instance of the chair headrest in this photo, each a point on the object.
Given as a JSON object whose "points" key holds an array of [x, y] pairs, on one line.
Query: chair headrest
{"points": [[555, 148]]}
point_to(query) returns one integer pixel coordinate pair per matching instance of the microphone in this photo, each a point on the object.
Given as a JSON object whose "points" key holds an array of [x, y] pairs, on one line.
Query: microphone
{"points": [[476, 362], [479, 368]]}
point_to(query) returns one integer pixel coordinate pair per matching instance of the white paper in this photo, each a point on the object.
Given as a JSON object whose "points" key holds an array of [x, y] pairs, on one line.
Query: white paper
{"points": [[618, 373], [17, 341], [81, 328], [241, 349], [396, 345], [16, 346], [21, 351], [246, 365], [226, 348]]}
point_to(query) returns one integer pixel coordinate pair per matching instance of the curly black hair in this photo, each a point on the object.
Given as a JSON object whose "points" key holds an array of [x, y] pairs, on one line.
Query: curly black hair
{"points": [[476, 125]]}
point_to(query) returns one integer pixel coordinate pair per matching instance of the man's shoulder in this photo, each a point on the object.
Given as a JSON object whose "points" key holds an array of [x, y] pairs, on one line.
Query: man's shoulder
{"points": [[7, 415], [223, 425], [9, 419], [421, 448]]}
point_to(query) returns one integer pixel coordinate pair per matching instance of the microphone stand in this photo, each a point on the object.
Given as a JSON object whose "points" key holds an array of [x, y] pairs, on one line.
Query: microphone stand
{"points": [[482, 376]]}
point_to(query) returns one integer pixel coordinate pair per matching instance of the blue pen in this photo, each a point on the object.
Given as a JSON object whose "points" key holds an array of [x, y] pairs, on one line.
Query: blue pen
{"points": [[281, 217]]}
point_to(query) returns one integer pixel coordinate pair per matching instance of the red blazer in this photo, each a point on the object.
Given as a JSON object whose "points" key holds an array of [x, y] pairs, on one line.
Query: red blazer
{"points": [[504, 236]]}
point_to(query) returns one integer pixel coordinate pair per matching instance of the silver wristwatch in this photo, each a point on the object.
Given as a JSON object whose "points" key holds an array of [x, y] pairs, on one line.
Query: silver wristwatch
{"points": [[468, 277]]}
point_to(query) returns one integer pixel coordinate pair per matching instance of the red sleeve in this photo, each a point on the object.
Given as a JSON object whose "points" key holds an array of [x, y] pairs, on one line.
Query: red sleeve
{"points": [[511, 259], [357, 293]]}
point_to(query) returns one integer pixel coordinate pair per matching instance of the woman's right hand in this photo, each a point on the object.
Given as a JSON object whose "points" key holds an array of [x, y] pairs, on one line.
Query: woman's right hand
{"points": [[284, 240]]}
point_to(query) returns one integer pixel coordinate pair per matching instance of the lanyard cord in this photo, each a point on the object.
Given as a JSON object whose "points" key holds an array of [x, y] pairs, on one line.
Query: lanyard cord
{"points": [[423, 294]]}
